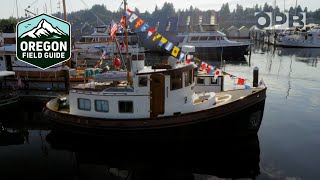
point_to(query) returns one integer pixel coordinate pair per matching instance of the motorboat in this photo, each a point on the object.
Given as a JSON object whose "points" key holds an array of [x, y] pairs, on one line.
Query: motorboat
{"points": [[213, 45]]}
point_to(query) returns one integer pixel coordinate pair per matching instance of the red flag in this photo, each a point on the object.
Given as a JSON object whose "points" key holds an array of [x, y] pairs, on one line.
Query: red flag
{"points": [[241, 81], [188, 60], [122, 21], [122, 45], [209, 69], [203, 66], [116, 62]]}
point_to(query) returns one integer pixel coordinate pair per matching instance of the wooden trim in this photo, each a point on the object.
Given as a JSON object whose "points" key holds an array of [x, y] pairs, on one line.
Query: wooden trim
{"points": [[172, 71], [89, 123]]}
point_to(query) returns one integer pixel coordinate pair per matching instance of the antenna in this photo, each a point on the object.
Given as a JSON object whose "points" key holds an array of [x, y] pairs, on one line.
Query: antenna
{"points": [[17, 9], [51, 7]]}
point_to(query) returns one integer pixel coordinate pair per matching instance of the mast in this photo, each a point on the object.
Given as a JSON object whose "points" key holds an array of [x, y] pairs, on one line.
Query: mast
{"points": [[65, 18], [17, 10], [64, 10], [126, 40]]}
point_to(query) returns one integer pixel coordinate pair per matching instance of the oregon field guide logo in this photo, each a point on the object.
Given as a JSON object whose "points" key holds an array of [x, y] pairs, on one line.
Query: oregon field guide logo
{"points": [[43, 41]]}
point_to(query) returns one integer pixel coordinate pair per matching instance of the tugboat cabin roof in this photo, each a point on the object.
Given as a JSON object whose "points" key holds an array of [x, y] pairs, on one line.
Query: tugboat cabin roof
{"points": [[179, 68]]}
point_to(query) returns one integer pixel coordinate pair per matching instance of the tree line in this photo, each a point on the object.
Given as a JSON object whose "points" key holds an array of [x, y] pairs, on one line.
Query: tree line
{"points": [[83, 21]]}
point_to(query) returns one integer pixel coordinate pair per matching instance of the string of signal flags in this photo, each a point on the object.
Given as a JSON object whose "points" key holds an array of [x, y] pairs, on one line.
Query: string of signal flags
{"points": [[139, 24]]}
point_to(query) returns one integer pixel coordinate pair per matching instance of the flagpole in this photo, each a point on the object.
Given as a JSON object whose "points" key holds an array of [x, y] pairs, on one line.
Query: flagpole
{"points": [[117, 44], [127, 53]]}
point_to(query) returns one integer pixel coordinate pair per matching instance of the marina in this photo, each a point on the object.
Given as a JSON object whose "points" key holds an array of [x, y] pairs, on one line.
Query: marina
{"points": [[152, 97]]}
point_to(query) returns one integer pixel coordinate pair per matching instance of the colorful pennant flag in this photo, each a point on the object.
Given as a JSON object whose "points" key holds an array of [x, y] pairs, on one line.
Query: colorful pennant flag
{"points": [[144, 27], [162, 41], [175, 51], [203, 66], [182, 54], [138, 23], [157, 36], [209, 69], [122, 21], [217, 73], [169, 46], [150, 32], [188, 60], [133, 17], [128, 13], [241, 81]]}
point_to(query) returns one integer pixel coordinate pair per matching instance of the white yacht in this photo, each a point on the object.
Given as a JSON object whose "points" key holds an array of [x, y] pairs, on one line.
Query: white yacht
{"points": [[93, 46], [210, 44], [305, 39]]}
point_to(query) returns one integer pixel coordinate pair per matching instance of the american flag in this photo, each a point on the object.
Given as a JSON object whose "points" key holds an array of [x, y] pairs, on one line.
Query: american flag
{"points": [[114, 27]]}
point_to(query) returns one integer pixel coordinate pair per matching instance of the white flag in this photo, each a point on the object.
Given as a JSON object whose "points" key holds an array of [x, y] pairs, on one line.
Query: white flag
{"points": [[133, 17]]}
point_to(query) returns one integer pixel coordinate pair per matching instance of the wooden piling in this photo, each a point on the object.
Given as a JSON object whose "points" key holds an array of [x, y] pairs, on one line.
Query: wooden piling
{"points": [[255, 76]]}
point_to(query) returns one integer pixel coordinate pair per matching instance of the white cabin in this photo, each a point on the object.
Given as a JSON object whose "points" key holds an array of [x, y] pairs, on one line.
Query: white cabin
{"points": [[156, 91]]}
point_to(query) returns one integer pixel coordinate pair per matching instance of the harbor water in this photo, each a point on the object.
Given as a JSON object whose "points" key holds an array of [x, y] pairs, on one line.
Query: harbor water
{"points": [[286, 147]]}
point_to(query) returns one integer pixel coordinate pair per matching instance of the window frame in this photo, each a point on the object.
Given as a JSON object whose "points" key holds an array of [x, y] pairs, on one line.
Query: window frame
{"points": [[171, 81], [215, 80], [82, 109], [95, 105], [125, 101], [202, 78], [140, 77]]}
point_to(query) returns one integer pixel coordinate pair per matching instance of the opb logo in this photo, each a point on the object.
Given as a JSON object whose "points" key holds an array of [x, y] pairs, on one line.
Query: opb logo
{"points": [[285, 20]]}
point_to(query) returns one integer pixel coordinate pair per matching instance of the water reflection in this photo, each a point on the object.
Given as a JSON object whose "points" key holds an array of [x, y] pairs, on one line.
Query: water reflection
{"points": [[31, 149], [224, 157]]}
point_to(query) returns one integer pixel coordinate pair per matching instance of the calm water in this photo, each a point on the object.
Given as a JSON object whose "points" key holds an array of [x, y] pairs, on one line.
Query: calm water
{"points": [[286, 147]]}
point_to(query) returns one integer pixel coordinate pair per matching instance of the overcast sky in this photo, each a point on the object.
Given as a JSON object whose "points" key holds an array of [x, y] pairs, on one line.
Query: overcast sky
{"points": [[8, 7]]}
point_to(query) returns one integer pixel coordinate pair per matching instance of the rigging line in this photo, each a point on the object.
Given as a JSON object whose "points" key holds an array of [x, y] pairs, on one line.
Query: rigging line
{"points": [[93, 13], [33, 2]]}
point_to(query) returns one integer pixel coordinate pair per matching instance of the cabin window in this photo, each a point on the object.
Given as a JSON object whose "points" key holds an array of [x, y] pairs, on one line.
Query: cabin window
{"points": [[200, 80], [188, 78], [203, 38], [211, 38], [214, 80], [84, 104], [101, 105], [143, 81], [194, 38], [125, 107], [176, 82]]}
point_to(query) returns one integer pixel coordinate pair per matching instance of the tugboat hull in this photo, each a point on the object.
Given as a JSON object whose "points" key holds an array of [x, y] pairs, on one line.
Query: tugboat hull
{"points": [[241, 115]]}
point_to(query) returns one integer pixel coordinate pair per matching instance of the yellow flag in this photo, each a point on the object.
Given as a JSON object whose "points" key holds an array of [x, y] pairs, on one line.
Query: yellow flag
{"points": [[175, 51], [157, 36], [162, 41]]}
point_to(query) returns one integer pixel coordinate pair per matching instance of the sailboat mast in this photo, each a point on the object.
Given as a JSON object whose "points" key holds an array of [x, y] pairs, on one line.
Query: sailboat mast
{"points": [[64, 10], [17, 10], [65, 18], [126, 36]]}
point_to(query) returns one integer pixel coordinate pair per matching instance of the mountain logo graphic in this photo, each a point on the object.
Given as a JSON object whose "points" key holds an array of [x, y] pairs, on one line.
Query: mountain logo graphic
{"points": [[44, 41]]}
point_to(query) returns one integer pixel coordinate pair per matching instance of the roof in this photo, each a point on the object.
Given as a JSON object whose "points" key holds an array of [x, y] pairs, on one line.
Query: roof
{"points": [[163, 23], [6, 73]]}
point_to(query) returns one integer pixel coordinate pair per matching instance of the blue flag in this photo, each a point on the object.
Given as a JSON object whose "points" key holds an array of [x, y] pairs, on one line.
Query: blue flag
{"points": [[144, 27], [247, 87]]}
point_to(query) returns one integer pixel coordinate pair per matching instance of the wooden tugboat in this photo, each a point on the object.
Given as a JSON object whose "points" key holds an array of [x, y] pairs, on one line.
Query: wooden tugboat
{"points": [[160, 97], [154, 100]]}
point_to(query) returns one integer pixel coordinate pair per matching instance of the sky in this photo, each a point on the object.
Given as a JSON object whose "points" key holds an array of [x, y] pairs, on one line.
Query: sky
{"points": [[8, 7]]}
